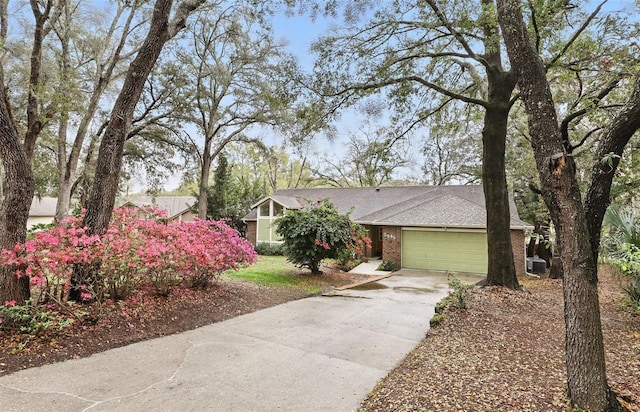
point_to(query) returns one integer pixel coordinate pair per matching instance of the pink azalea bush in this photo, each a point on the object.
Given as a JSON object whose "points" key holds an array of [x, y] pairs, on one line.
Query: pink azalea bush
{"points": [[134, 251]]}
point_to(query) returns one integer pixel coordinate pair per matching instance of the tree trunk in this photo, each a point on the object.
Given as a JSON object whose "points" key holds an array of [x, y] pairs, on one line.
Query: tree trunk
{"points": [[613, 141], [500, 83], [203, 187], [501, 267], [105, 186], [16, 203], [586, 373]]}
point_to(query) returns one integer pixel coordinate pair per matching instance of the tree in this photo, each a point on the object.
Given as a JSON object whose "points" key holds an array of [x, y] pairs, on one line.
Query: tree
{"points": [[586, 372], [220, 192], [105, 186], [99, 52], [369, 161], [436, 52], [16, 202], [16, 155], [314, 233], [231, 195], [452, 150], [240, 80]]}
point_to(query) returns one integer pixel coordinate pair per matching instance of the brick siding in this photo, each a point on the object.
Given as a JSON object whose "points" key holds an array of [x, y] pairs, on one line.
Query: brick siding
{"points": [[252, 232], [392, 244], [518, 246]]}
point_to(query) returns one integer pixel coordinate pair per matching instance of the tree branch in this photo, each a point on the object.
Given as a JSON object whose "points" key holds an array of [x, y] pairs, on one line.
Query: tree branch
{"points": [[575, 36], [423, 82]]}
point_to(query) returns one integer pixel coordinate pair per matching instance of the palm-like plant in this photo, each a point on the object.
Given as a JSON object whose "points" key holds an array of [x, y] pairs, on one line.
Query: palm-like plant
{"points": [[623, 227], [622, 246]]}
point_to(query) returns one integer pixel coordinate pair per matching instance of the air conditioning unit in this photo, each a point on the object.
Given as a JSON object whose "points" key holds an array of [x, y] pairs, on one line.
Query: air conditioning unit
{"points": [[536, 265]]}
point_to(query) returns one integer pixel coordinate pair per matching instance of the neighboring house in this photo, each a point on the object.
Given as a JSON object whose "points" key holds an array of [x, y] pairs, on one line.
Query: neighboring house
{"points": [[424, 227], [179, 208], [42, 211]]}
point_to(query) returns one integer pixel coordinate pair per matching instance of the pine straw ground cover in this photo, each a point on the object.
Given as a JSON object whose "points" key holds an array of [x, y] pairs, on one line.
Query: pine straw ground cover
{"points": [[505, 352]]}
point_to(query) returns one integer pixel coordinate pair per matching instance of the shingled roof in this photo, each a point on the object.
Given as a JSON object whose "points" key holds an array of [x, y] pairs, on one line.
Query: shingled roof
{"points": [[174, 205], [426, 206], [43, 206]]}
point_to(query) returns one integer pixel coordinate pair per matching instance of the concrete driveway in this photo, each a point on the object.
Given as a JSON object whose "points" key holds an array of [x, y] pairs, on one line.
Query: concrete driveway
{"points": [[322, 353]]}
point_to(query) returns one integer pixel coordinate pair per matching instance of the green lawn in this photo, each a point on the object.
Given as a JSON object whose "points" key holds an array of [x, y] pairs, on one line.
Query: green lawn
{"points": [[276, 271]]}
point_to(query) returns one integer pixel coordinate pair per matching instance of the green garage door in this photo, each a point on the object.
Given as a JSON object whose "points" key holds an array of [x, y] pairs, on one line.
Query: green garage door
{"points": [[454, 251]]}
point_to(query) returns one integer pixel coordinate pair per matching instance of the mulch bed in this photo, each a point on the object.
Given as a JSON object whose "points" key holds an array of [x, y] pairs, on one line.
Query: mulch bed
{"points": [[505, 352]]}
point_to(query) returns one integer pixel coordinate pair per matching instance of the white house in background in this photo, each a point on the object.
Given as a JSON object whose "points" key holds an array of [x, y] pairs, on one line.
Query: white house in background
{"points": [[179, 208], [43, 211]]}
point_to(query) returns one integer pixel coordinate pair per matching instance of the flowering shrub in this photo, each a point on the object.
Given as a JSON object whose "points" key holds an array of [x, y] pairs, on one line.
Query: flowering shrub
{"points": [[133, 251], [318, 232]]}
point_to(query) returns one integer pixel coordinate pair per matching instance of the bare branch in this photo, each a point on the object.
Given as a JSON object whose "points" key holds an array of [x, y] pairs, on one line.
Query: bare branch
{"points": [[423, 82], [575, 36]]}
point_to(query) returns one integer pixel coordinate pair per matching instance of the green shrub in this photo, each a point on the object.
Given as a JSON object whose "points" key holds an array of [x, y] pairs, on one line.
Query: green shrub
{"points": [[628, 261], [31, 232], [456, 299], [31, 319], [388, 265], [270, 249], [459, 291], [319, 232], [435, 320]]}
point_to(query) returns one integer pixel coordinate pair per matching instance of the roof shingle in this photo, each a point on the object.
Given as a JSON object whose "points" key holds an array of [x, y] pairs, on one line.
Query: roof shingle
{"points": [[429, 206]]}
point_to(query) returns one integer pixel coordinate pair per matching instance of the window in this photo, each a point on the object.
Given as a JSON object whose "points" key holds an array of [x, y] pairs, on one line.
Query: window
{"points": [[277, 209], [264, 209]]}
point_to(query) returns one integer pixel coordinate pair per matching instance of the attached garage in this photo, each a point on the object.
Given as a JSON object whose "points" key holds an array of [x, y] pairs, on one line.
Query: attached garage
{"points": [[456, 251]]}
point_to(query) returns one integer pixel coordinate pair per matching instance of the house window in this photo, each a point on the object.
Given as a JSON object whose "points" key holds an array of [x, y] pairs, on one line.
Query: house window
{"points": [[268, 212], [264, 209]]}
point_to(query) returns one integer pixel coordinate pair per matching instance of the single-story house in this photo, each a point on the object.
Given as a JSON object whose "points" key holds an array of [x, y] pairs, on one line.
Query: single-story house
{"points": [[424, 227], [42, 211], [179, 208]]}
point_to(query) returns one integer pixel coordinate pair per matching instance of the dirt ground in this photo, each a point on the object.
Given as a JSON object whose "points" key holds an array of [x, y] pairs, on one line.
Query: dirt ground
{"points": [[505, 352]]}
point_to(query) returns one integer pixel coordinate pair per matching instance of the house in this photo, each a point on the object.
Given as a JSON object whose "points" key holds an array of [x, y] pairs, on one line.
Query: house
{"points": [[42, 211], [179, 208], [423, 227]]}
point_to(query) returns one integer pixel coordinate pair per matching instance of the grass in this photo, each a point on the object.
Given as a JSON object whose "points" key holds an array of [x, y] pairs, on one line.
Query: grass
{"points": [[274, 271]]}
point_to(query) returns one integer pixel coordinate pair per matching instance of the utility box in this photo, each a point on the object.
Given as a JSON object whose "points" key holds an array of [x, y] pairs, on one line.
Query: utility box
{"points": [[536, 265]]}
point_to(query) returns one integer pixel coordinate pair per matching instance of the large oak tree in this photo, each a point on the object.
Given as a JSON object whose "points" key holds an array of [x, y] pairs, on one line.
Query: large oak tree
{"points": [[16, 154], [578, 224]]}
